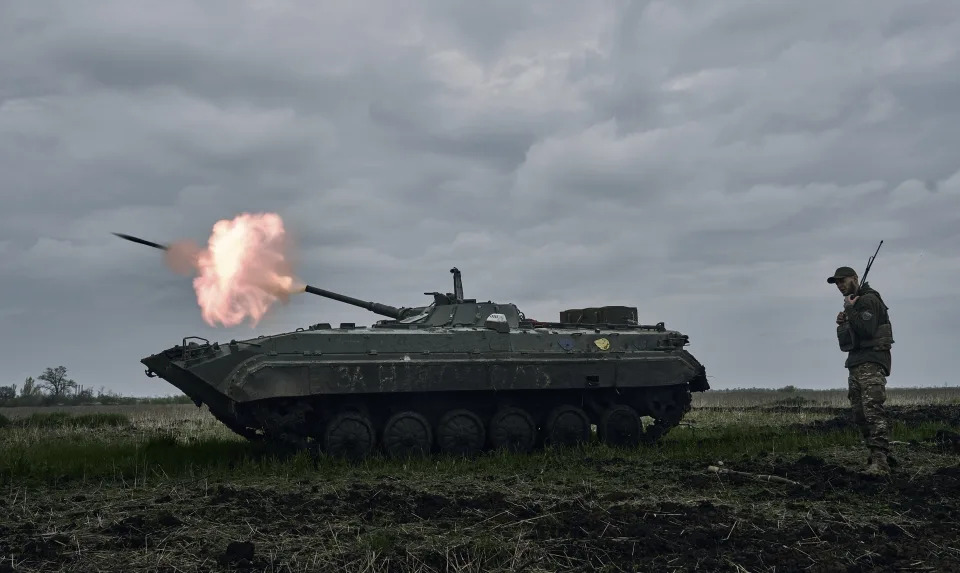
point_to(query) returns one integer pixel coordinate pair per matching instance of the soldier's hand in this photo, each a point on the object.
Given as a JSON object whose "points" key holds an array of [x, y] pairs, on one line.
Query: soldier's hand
{"points": [[849, 300], [841, 317]]}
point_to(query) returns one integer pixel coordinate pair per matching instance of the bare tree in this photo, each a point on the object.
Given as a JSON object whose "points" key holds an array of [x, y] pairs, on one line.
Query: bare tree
{"points": [[55, 380]]}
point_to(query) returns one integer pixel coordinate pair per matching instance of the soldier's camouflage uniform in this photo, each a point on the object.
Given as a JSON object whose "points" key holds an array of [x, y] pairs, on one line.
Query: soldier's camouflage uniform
{"points": [[867, 336]]}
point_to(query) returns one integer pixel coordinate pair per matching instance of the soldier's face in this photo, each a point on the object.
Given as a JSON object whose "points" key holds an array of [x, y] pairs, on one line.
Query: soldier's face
{"points": [[847, 285]]}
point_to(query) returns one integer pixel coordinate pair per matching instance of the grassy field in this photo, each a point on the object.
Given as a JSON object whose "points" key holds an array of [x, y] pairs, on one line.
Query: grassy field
{"points": [[168, 488], [834, 397]]}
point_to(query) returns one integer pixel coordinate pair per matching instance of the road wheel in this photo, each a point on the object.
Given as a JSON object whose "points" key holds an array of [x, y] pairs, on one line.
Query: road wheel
{"points": [[620, 426], [460, 432], [513, 429], [349, 435], [407, 434], [567, 425]]}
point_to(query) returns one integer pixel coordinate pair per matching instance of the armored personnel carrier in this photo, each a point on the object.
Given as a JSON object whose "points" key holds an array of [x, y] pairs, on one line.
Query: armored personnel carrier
{"points": [[456, 376]]}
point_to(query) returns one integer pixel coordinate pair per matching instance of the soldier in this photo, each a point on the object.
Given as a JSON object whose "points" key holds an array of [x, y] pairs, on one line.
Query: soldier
{"points": [[865, 333]]}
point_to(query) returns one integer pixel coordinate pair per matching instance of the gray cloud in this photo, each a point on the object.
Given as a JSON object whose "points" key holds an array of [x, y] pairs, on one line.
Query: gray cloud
{"points": [[710, 163]]}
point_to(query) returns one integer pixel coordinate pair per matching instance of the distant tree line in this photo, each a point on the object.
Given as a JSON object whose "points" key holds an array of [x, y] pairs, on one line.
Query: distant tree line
{"points": [[54, 388]]}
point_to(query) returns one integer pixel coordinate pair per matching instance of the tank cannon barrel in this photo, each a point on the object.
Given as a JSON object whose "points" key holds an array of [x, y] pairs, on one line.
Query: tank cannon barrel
{"points": [[375, 307]]}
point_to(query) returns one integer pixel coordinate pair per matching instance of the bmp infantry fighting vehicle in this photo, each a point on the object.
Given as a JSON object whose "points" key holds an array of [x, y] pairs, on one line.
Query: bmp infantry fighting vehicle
{"points": [[456, 376]]}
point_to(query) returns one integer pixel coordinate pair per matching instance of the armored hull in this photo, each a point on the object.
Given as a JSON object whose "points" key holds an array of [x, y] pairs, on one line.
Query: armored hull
{"points": [[456, 376]]}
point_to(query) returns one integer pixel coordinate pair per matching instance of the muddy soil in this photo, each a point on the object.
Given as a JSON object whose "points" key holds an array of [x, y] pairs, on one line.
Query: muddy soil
{"points": [[948, 414], [621, 514]]}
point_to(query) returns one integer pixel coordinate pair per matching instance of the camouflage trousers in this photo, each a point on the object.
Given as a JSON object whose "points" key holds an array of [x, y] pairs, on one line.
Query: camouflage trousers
{"points": [[867, 393]]}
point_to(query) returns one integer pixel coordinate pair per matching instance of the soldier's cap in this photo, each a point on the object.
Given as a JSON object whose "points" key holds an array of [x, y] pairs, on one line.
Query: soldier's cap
{"points": [[841, 272]]}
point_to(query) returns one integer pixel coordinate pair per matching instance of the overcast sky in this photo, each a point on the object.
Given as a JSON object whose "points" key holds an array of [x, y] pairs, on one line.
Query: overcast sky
{"points": [[710, 162]]}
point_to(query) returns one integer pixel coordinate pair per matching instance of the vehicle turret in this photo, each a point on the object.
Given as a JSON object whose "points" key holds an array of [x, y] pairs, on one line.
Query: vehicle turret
{"points": [[447, 309]]}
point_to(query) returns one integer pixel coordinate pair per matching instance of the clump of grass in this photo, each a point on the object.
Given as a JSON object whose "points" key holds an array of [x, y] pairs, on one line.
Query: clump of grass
{"points": [[793, 402], [165, 455], [123, 460], [66, 420], [4, 422]]}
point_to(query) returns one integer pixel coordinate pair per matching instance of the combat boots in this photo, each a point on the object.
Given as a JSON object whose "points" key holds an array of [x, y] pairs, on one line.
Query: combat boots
{"points": [[878, 464]]}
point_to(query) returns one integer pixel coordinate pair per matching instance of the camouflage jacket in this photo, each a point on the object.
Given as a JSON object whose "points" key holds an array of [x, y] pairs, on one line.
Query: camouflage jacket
{"points": [[865, 318]]}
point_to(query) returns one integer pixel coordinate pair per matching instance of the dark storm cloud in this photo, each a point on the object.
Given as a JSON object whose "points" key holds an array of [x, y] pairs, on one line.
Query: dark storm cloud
{"points": [[709, 162]]}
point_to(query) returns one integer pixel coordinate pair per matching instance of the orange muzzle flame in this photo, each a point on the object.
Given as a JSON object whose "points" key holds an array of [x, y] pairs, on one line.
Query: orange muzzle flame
{"points": [[243, 271]]}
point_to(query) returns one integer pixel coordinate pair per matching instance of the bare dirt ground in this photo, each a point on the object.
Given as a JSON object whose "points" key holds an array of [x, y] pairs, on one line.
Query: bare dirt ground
{"points": [[595, 509]]}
